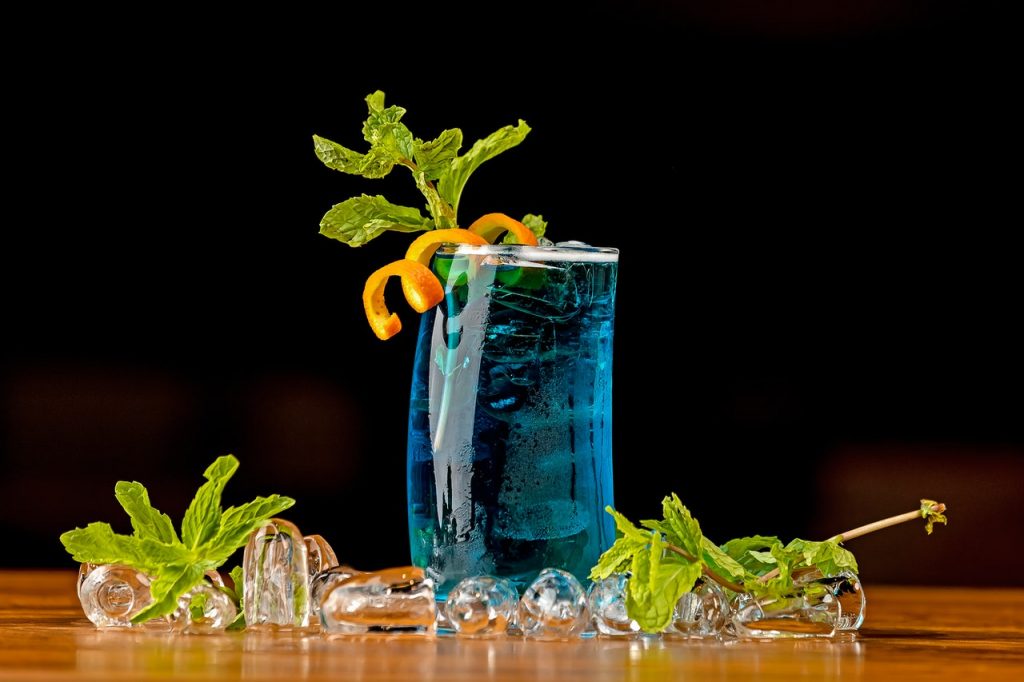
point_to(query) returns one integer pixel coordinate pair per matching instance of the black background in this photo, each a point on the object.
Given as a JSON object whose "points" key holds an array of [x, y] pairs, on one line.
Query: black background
{"points": [[819, 301]]}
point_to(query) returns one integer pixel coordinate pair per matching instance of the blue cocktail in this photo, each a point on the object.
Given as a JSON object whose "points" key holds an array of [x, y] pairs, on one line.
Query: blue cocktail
{"points": [[510, 452]]}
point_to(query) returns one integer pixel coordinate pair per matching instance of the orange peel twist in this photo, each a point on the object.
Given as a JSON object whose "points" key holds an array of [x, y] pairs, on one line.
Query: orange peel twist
{"points": [[421, 287], [493, 225]]}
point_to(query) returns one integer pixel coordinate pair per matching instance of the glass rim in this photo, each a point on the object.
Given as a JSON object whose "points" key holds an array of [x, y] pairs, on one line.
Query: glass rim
{"points": [[563, 251]]}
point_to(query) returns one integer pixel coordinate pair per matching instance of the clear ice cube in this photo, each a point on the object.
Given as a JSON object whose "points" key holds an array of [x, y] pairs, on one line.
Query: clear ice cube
{"points": [[804, 614], [848, 591], [319, 554], [481, 605], [276, 576], [324, 580], [606, 600], [394, 599], [554, 606], [203, 609], [701, 612], [112, 595]]}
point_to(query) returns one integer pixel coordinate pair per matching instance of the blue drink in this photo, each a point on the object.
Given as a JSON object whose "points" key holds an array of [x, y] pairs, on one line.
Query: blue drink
{"points": [[510, 452]]}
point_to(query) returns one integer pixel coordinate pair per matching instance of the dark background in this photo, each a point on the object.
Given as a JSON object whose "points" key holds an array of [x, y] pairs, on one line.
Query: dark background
{"points": [[819, 304]]}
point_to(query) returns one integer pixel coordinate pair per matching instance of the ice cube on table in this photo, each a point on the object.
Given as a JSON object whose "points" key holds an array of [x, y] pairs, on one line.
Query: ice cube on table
{"points": [[481, 605], [112, 595], [606, 600], [394, 599], [796, 616], [701, 612], [203, 609], [848, 591], [323, 581], [319, 554], [554, 606], [276, 575]]}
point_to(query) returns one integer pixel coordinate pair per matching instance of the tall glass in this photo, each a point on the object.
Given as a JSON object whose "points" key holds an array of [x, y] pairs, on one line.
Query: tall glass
{"points": [[510, 448]]}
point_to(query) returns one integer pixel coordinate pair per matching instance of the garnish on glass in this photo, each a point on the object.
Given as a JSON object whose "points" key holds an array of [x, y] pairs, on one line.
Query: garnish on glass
{"points": [[440, 174]]}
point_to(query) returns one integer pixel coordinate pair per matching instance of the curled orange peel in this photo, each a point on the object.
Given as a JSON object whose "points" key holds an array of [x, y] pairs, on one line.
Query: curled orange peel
{"points": [[423, 247], [493, 225], [421, 288]]}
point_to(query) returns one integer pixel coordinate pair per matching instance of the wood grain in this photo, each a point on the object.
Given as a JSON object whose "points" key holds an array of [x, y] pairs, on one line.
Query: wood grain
{"points": [[910, 634]]}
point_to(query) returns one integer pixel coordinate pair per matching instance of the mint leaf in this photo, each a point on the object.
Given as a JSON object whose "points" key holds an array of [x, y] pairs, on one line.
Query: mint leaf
{"points": [[202, 518], [931, 516], [238, 523], [168, 587], [657, 584], [377, 163], [238, 578], [434, 158], [742, 550], [626, 527], [682, 529], [146, 521], [536, 223], [721, 563], [828, 556], [617, 558], [97, 543], [451, 185], [197, 605], [384, 131], [360, 219]]}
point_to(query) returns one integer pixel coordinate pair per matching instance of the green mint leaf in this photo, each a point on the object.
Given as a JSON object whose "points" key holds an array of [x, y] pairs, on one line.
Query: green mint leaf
{"points": [[657, 584], [168, 587], [617, 558], [97, 543], [682, 529], [197, 605], [626, 527], [451, 185], [434, 158], [202, 518], [384, 131], [146, 521], [828, 556], [721, 563], [742, 550], [536, 223], [238, 579], [237, 523], [440, 211], [360, 219], [765, 557], [237, 597], [931, 517], [375, 164]]}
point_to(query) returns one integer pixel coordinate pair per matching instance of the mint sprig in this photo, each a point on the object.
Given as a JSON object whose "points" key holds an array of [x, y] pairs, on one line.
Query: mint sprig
{"points": [[665, 562], [209, 536], [438, 170]]}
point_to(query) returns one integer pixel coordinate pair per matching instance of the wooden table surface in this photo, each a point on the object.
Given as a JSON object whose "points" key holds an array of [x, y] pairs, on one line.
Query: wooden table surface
{"points": [[910, 634]]}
